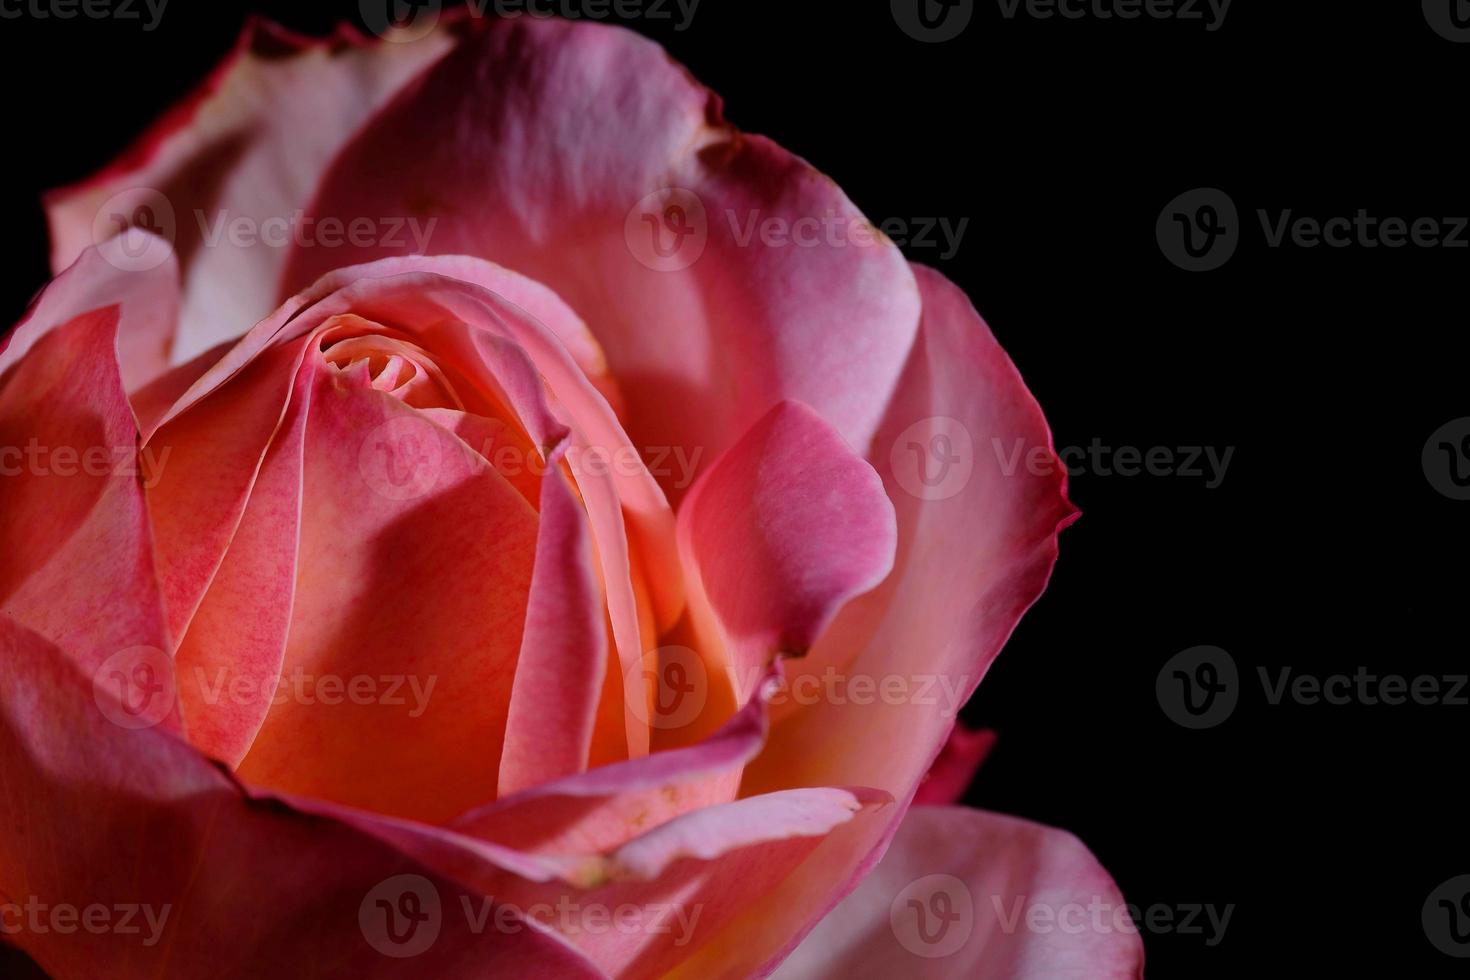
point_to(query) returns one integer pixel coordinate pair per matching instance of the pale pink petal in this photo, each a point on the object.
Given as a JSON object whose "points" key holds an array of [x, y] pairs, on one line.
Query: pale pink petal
{"points": [[220, 885], [537, 144], [962, 893], [250, 144], [781, 532], [553, 702]]}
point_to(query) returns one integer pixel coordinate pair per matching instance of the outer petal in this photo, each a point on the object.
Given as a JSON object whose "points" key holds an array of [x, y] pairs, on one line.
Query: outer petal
{"points": [[538, 144], [602, 808], [236, 889], [781, 532], [704, 869], [78, 565], [250, 144], [971, 560], [148, 301], [968, 566], [962, 893]]}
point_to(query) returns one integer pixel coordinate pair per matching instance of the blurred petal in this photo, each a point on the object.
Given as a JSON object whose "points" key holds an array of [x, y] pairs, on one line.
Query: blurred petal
{"points": [[962, 893], [250, 144], [147, 300], [552, 147]]}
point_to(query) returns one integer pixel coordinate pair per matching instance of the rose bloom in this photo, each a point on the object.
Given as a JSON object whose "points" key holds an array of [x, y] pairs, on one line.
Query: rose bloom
{"points": [[446, 533]]}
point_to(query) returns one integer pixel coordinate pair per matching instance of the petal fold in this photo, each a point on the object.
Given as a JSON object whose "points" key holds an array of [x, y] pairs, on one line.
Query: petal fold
{"points": [[962, 893]]}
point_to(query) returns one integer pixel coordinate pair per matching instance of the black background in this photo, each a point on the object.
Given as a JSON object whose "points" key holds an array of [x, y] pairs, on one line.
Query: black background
{"points": [[1325, 548]]}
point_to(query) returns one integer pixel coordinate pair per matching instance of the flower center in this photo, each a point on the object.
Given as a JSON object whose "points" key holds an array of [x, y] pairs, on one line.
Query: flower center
{"points": [[373, 355]]}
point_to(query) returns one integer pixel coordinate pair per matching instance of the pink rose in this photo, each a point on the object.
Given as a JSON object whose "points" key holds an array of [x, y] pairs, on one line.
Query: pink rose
{"points": [[590, 594]]}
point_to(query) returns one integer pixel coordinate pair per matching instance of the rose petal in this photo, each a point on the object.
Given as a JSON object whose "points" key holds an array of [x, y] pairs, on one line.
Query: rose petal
{"points": [[602, 808], [954, 896], [536, 143], [230, 659], [781, 532], [414, 570], [196, 852], [250, 144], [215, 451], [980, 556], [698, 871], [553, 702], [78, 565], [148, 302]]}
